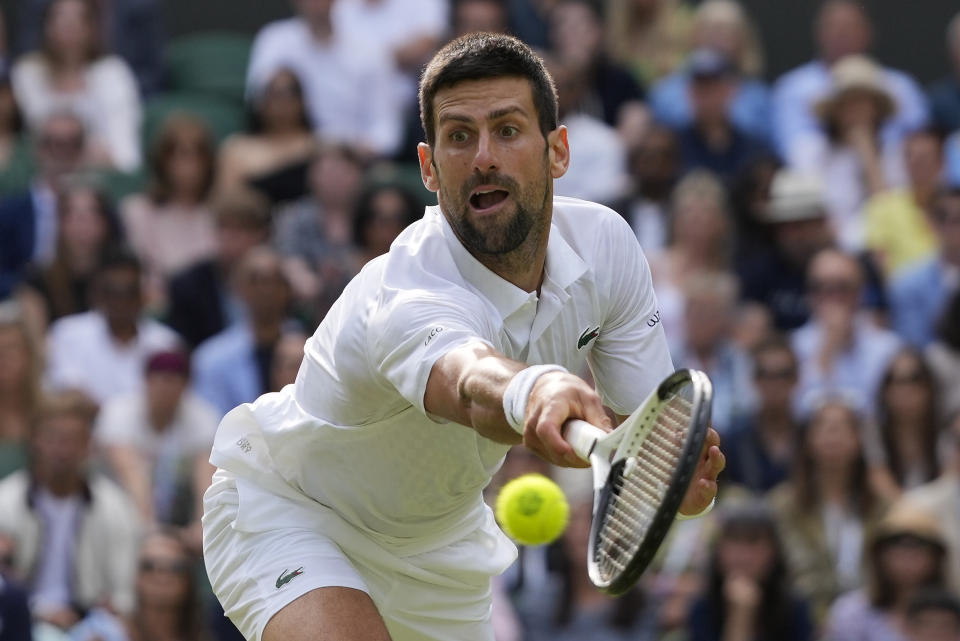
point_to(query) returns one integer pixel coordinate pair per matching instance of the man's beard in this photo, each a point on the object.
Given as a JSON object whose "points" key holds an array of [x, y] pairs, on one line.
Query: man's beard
{"points": [[507, 237]]}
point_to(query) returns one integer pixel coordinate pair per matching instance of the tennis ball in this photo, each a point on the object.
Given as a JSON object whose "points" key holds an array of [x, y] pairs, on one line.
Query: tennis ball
{"points": [[532, 509]]}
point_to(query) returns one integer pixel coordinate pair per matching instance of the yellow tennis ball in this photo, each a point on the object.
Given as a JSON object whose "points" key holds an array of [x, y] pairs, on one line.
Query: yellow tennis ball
{"points": [[532, 509]]}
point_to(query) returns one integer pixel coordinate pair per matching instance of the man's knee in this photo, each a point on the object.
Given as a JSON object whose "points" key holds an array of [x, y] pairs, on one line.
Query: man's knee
{"points": [[328, 614]]}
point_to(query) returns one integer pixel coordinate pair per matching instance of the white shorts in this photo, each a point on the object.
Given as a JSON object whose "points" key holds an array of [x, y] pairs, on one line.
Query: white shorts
{"points": [[256, 571]]}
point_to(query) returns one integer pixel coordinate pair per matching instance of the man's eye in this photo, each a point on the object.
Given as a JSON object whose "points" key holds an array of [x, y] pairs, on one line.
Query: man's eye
{"points": [[459, 136], [509, 131]]}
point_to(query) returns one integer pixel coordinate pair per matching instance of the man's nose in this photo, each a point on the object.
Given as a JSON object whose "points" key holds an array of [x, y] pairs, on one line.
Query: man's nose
{"points": [[485, 159]]}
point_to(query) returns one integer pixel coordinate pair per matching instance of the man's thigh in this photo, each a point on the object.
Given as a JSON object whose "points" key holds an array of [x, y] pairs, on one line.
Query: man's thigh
{"points": [[328, 614]]}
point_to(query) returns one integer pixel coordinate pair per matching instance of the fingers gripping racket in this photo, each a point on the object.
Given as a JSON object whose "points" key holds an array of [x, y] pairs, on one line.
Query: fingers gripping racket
{"points": [[641, 471]]}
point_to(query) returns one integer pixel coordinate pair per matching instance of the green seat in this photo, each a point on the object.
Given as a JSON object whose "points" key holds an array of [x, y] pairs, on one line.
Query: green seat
{"points": [[223, 117], [213, 63]]}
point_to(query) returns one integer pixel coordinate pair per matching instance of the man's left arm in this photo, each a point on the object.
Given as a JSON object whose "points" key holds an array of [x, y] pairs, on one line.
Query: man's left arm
{"points": [[631, 355]]}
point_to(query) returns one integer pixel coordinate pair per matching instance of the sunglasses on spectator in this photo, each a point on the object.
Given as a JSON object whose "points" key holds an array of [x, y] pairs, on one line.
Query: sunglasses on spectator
{"points": [[832, 287], [782, 374], [165, 566], [911, 378], [110, 290]]}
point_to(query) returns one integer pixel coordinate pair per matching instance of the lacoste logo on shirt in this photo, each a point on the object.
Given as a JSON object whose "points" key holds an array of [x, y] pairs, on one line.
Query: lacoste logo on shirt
{"points": [[587, 336], [286, 577]]}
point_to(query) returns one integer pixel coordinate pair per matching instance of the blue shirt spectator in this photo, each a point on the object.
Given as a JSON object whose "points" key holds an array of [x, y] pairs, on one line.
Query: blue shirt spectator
{"points": [[749, 108]]}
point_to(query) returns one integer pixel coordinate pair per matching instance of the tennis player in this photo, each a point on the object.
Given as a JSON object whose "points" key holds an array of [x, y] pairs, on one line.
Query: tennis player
{"points": [[348, 506]]}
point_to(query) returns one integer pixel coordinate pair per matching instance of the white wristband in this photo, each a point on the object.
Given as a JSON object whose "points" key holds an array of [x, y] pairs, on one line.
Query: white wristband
{"points": [[706, 510], [518, 392]]}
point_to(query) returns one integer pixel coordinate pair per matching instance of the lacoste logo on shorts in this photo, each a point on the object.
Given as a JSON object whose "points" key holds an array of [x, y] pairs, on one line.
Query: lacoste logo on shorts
{"points": [[587, 336], [286, 577]]}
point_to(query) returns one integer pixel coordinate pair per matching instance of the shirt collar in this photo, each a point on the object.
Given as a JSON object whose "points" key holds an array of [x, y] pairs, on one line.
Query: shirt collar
{"points": [[563, 267]]}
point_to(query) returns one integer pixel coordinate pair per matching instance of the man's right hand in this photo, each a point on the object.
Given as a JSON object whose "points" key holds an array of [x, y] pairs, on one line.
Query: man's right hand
{"points": [[555, 398]]}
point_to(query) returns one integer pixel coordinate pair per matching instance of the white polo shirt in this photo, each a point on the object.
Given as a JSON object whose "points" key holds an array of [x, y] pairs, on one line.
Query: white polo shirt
{"points": [[352, 435]]}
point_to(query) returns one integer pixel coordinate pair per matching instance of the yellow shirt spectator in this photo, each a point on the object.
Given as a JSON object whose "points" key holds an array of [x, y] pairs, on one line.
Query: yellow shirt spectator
{"points": [[897, 230]]}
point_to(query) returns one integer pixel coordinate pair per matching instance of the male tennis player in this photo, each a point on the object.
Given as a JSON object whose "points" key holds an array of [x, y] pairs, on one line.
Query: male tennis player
{"points": [[348, 506]]}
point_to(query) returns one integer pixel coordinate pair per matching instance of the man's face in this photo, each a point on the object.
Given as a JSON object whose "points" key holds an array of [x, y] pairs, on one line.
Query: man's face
{"points": [[61, 447], [834, 283], [60, 145], [313, 10], [164, 390], [710, 97], [842, 30], [775, 377], [924, 159], [120, 295], [491, 166], [473, 16]]}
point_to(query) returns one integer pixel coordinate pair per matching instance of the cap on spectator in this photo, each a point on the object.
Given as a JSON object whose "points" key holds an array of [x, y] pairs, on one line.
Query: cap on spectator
{"points": [[795, 196], [706, 64], [908, 519], [172, 362], [856, 73]]}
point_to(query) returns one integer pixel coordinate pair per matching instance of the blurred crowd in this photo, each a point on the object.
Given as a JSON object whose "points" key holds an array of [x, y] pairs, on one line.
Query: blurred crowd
{"points": [[177, 216]]}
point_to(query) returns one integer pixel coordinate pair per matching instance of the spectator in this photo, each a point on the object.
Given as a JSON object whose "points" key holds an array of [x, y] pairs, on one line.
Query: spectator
{"points": [[171, 226], [906, 554], [853, 162], [760, 450], [907, 412], [943, 354], [20, 370], [75, 531], [15, 621], [775, 276], [919, 295], [577, 610], [710, 308], [473, 16], [598, 172], [133, 29], [279, 135], [712, 140], [15, 162], [898, 226], [933, 615], [842, 29], [722, 26], [348, 86], [315, 234], [167, 604], [233, 367], [70, 71], [941, 495], [748, 595], [602, 88], [529, 20], [287, 356], [28, 221], [405, 32], [104, 351], [749, 202], [653, 166], [700, 241], [945, 95], [202, 302], [87, 229], [827, 505], [156, 444], [840, 349], [382, 212], [651, 37]]}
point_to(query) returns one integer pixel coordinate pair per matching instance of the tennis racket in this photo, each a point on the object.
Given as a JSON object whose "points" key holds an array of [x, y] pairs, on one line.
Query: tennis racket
{"points": [[641, 471]]}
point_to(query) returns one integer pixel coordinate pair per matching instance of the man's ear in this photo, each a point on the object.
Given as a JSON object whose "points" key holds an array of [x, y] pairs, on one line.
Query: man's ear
{"points": [[559, 151], [428, 172]]}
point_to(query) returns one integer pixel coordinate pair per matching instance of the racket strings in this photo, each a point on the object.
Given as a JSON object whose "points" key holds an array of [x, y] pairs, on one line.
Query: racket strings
{"points": [[640, 489]]}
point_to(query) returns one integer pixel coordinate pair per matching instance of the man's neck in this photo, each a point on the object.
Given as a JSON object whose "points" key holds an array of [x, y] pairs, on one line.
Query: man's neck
{"points": [[160, 418], [122, 332], [266, 331], [63, 488]]}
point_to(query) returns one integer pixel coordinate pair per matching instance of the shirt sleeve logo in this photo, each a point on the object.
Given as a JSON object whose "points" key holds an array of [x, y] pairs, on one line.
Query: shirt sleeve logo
{"points": [[433, 334]]}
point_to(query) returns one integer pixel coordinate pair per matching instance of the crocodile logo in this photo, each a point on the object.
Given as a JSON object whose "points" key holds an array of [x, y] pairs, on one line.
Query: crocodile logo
{"points": [[587, 336], [286, 577]]}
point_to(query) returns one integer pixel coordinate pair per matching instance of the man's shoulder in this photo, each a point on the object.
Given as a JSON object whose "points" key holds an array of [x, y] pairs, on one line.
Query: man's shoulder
{"points": [[83, 324], [590, 227]]}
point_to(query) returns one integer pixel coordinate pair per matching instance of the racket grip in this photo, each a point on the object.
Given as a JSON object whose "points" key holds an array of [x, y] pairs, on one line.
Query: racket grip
{"points": [[582, 436]]}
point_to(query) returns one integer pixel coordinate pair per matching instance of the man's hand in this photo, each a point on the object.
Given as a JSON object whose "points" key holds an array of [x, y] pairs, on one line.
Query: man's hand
{"points": [[555, 398], [703, 486]]}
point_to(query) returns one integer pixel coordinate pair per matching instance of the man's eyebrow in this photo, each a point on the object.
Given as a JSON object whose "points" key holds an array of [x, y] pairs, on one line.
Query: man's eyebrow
{"points": [[506, 111], [453, 116]]}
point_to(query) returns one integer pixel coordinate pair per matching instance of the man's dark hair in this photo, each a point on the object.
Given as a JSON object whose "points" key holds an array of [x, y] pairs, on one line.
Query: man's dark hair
{"points": [[119, 257], [478, 56]]}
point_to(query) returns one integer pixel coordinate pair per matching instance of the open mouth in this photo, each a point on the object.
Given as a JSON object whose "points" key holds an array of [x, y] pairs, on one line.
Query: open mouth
{"points": [[483, 199]]}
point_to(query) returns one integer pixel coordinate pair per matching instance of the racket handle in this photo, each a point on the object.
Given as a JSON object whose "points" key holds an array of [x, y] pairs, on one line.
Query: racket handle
{"points": [[582, 436]]}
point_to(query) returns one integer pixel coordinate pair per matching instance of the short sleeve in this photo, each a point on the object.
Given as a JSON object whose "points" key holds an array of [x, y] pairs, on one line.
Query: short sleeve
{"points": [[411, 332], [631, 355]]}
